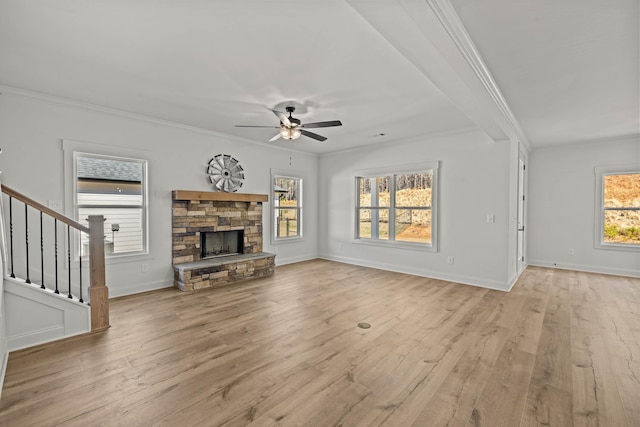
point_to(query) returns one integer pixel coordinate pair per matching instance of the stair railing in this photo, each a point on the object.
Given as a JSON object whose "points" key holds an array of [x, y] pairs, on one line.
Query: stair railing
{"points": [[98, 291]]}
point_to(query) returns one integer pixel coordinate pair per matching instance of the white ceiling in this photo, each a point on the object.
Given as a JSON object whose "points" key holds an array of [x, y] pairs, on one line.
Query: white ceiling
{"points": [[569, 69], [564, 70]]}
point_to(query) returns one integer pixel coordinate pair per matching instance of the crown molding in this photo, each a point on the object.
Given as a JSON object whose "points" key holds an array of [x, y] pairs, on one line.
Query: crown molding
{"points": [[576, 143], [42, 97], [450, 21]]}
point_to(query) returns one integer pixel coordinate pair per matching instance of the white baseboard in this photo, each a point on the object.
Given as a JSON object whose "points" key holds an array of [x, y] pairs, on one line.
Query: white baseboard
{"points": [[515, 278], [142, 287], [33, 338], [465, 280], [292, 260], [3, 367], [586, 268]]}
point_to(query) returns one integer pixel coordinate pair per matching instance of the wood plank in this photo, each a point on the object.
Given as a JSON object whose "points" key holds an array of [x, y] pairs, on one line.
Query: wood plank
{"points": [[560, 349], [219, 196], [504, 396], [455, 398], [596, 401], [622, 347], [549, 398]]}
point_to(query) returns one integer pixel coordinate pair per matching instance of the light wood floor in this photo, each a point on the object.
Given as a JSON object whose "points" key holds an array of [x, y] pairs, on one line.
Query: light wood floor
{"points": [[561, 349]]}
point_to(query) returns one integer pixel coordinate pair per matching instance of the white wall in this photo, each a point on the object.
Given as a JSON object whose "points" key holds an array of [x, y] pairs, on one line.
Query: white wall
{"points": [[31, 131], [476, 178], [57, 316], [474, 182], [562, 199]]}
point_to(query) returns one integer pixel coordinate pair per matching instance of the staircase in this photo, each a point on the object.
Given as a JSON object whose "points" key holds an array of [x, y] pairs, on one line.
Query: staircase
{"points": [[48, 293]]}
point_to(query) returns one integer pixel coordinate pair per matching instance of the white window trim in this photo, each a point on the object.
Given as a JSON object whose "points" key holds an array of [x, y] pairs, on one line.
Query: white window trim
{"points": [[393, 170], [600, 173], [71, 149], [292, 175]]}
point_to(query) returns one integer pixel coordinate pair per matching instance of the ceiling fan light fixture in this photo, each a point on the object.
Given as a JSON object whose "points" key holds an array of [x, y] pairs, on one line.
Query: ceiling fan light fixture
{"points": [[291, 128], [290, 133]]}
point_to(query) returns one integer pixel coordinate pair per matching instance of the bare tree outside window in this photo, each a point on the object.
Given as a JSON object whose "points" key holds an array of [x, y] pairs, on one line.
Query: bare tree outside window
{"points": [[621, 209], [396, 207], [287, 207]]}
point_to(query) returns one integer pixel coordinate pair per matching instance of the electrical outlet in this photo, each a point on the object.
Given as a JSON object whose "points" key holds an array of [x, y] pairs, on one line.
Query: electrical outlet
{"points": [[449, 260], [491, 218], [144, 268]]}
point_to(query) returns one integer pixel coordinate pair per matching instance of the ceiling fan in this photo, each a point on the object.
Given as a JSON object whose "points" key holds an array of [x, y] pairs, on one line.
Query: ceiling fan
{"points": [[292, 128]]}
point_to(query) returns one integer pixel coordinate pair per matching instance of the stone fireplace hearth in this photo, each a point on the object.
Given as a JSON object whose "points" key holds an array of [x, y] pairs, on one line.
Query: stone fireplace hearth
{"points": [[197, 213]]}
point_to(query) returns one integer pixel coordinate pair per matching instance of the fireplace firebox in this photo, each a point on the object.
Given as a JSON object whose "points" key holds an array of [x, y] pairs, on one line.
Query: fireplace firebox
{"points": [[221, 243]]}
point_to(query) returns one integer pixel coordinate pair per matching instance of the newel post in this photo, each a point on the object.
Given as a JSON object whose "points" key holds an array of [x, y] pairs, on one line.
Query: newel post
{"points": [[98, 291]]}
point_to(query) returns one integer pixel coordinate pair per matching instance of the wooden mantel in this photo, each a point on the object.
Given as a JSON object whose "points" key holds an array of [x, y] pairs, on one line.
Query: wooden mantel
{"points": [[219, 196]]}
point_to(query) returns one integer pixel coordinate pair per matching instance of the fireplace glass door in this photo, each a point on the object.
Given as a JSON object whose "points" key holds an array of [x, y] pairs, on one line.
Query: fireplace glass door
{"points": [[221, 243]]}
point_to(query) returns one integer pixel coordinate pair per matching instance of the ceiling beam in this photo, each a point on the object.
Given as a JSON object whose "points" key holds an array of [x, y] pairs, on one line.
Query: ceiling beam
{"points": [[429, 34]]}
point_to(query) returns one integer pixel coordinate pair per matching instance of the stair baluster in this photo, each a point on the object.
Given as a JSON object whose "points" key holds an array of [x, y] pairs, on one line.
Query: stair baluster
{"points": [[42, 253], [69, 257], [26, 237], [55, 231], [80, 264], [98, 291], [11, 233]]}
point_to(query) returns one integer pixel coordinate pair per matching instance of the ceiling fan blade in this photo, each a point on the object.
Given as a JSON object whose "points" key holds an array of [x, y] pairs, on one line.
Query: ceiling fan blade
{"points": [[251, 126], [275, 137], [283, 117], [322, 124], [312, 135]]}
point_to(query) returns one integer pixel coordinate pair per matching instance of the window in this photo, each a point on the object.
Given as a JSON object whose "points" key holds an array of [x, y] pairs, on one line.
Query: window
{"points": [[619, 210], [287, 208], [398, 207], [116, 188]]}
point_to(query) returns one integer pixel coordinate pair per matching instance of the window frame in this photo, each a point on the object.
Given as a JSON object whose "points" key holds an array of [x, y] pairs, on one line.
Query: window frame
{"points": [[600, 174], [70, 148], [392, 171], [143, 207], [299, 208]]}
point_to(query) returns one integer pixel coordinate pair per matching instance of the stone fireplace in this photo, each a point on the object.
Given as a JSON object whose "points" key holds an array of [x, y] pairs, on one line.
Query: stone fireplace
{"points": [[217, 239]]}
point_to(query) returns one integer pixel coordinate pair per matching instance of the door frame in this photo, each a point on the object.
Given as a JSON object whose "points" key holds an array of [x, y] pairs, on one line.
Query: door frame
{"points": [[521, 248]]}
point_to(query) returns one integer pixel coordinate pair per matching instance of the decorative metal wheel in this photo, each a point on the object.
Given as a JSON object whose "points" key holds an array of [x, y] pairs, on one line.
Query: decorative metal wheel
{"points": [[225, 173]]}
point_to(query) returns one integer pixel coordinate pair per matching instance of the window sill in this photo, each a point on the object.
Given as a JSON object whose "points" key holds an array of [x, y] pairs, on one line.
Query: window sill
{"points": [[618, 247], [421, 247], [286, 240]]}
